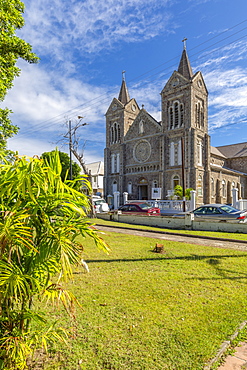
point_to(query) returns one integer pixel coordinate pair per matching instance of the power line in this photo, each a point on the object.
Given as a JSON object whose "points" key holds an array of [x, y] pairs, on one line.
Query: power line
{"points": [[88, 105]]}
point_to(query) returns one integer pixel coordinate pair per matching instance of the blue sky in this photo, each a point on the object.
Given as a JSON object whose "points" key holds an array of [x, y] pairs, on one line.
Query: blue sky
{"points": [[85, 45]]}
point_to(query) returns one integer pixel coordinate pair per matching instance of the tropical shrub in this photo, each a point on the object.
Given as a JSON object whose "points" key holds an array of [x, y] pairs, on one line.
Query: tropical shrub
{"points": [[40, 219]]}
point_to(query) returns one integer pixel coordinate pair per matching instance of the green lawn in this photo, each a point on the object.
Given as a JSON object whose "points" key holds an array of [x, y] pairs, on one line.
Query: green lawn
{"points": [[144, 311]]}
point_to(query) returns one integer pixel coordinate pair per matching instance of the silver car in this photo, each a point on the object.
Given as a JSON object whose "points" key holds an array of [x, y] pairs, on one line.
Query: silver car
{"points": [[220, 213]]}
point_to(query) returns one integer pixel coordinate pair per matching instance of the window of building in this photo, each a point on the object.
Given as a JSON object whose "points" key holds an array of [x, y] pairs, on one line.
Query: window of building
{"points": [[155, 184], [129, 187], [181, 114], [175, 153], [115, 132], [114, 187], [141, 127], [199, 153], [118, 134], [199, 185], [117, 163], [212, 186], [113, 163], [175, 181], [223, 188], [176, 115]]}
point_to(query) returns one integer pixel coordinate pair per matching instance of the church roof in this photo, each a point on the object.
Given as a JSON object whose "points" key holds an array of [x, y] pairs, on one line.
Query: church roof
{"points": [[234, 150], [124, 94], [215, 151], [184, 67]]}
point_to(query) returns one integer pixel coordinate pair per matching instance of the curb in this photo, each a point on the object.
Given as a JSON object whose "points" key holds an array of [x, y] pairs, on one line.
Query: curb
{"points": [[176, 233], [225, 345]]}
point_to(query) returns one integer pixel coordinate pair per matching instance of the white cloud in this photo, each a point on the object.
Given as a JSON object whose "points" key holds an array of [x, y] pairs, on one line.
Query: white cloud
{"points": [[91, 25]]}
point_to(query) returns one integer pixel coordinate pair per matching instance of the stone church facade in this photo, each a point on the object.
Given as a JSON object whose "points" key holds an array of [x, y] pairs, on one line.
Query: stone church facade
{"points": [[142, 154]]}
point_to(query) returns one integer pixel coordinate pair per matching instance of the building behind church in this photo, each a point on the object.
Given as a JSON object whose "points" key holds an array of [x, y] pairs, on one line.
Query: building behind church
{"points": [[142, 154]]}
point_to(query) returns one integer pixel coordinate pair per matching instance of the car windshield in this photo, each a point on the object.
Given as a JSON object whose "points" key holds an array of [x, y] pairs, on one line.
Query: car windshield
{"points": [[229, 209], [100, 201], [144, 206]]}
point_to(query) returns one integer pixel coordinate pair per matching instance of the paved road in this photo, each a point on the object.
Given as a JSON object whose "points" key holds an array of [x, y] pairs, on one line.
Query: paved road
{"points": [[210, 242]]}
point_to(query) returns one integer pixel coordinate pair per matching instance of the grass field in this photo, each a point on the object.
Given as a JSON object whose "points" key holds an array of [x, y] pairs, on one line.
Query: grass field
{"points": [[146, 311]]}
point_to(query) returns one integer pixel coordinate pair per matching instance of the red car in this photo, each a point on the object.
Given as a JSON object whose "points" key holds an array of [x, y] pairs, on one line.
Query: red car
{"points": [[139, 208]]}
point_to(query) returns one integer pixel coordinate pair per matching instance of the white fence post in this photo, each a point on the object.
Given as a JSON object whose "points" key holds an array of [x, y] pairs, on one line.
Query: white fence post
{"points": [[235, 198], [192, 200], [125, 197], [110, 201], [116, 196]]}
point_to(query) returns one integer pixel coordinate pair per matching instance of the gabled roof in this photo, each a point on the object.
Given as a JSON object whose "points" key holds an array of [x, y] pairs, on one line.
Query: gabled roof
{"points": [[234, 150], [96, 168], [184, 67]]}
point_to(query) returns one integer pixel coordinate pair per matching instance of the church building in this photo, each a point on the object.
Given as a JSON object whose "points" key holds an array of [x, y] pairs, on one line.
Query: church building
{"points": [[143, 154]]}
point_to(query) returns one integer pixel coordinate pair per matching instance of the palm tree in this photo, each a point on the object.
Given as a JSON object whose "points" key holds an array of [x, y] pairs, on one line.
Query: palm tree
{"points": [[40, 219]]}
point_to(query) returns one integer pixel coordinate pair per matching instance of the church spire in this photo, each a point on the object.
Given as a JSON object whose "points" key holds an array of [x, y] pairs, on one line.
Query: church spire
{"points": [[123, 94], [184, 67]]}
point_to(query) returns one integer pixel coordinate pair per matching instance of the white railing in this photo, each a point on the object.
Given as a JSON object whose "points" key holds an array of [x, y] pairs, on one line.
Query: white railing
{"points": [[167, 205], [241, 204]]}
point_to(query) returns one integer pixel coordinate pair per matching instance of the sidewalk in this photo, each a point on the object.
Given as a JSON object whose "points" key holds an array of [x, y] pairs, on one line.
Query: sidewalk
{"points": [[236, 361]]}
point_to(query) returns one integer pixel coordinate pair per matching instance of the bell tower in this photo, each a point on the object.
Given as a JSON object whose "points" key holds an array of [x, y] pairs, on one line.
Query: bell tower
{"points": [[119, 118], [184, 115]]}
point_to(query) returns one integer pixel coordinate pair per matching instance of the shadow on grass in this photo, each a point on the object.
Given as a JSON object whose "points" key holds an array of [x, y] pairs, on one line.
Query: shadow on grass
{"points": [[213, 260]]}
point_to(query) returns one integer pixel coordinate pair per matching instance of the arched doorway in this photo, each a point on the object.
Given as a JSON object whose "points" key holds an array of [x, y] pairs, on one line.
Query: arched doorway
{"points": [[143, 189]]}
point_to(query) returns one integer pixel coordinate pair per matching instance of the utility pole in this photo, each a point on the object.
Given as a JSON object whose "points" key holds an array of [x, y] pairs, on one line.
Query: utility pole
{"points": [[70, 151]]}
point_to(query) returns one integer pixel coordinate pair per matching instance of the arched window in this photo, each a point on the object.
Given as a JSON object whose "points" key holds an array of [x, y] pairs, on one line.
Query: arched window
{"points": [[212, 185], [114, 187], [118, 133], [199, 153], [171, 117], [181, 115], [112, 134], [176, 115], [113, 163], [129, 187], [223, 188], [141, 127], [115, 132], [175, 181]]}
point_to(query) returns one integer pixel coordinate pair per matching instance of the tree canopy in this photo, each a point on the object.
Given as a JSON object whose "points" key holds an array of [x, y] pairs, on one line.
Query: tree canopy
{"points": [[65, 163], [12, 48]]}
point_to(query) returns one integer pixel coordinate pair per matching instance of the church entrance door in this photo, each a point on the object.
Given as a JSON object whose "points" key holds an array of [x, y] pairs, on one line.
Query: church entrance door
{"points": [[143, 189], [143, 192]]}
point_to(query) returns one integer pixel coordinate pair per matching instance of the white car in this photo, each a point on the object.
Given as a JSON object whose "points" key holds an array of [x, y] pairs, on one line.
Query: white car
{"points": [[100, 205]]}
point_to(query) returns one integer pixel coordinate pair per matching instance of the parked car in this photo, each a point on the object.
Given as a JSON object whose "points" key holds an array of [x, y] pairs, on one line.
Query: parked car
{"points": [[99, 204], [220, 213], [139, 208]]}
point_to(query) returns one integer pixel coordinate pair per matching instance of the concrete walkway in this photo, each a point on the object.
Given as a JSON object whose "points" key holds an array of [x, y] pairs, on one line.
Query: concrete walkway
{"points": [[236, 361]]}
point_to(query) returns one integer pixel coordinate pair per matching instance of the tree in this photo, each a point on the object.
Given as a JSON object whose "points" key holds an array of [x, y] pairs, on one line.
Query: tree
{"points": [[178, 191], [65, 163], [11, 49], [41, 218]]}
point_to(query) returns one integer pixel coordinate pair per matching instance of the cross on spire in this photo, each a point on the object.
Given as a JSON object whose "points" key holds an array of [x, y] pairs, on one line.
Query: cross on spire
{"points": [[123, 75], [184, 41]]}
